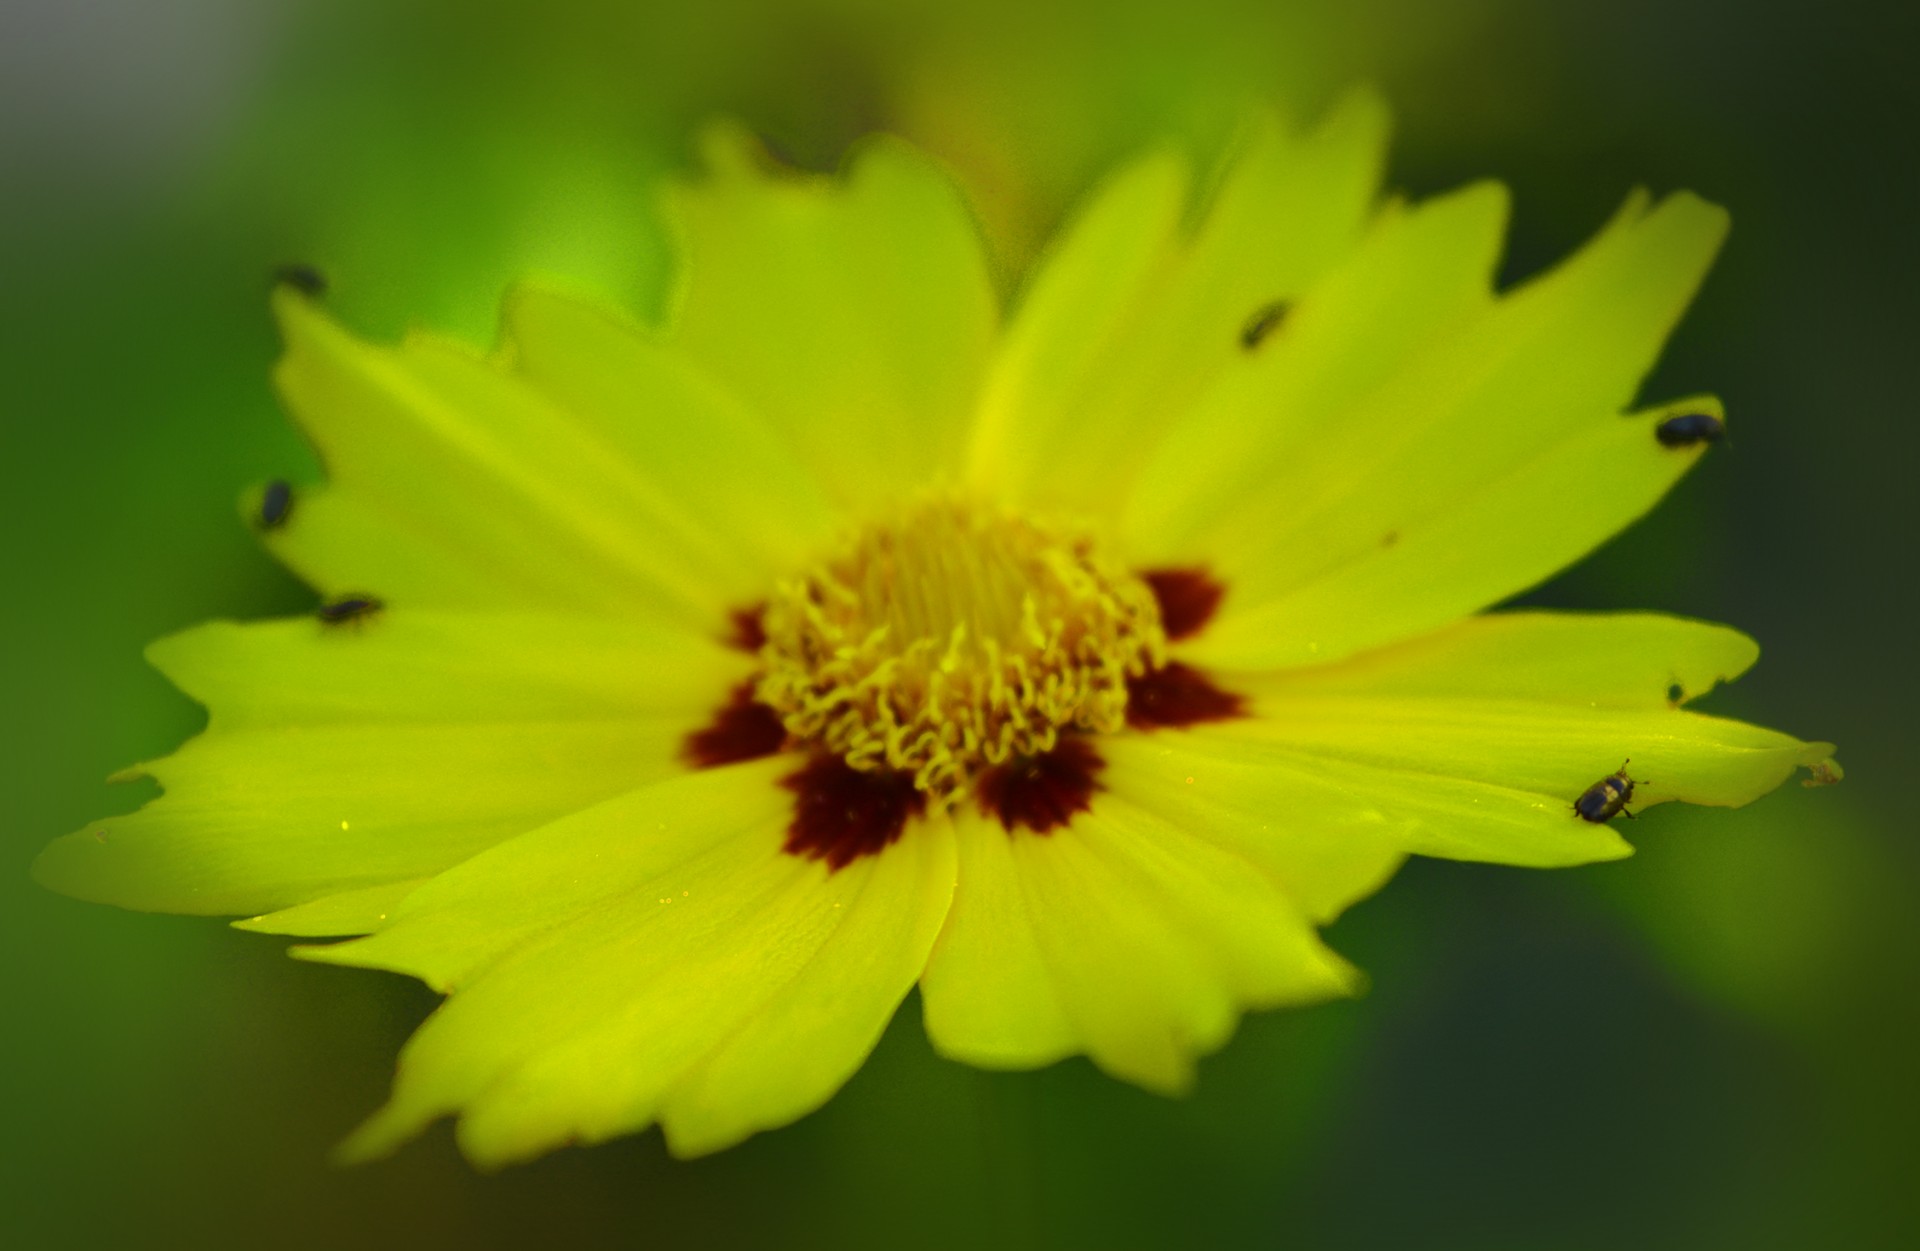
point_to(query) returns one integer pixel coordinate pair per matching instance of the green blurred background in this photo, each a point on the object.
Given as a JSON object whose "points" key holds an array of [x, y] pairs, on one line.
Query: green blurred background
{"points": [[1712, 1044]]}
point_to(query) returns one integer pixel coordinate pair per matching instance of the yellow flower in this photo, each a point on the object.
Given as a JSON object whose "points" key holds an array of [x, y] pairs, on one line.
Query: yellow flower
{"points": [[694, 691]]}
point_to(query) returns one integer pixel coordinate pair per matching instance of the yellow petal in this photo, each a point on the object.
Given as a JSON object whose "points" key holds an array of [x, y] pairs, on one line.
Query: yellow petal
{"points": [[1087, 387], [1481, 736], [854, 314], [1122, 937], [657, 958], [359, 911], [1538, 516], [1483, 465], [726, 466], [1418, 273], [1429, 809], [459, 486], [466, 919], [342, 758], [1603, 660], [1324, 844], [1085, 287]]}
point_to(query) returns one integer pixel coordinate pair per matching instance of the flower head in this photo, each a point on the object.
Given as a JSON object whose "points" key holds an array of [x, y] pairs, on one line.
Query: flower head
{"points": [[708, 685]]}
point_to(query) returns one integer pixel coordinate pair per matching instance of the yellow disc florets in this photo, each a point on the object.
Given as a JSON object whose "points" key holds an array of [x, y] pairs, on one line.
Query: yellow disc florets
{"points": [[952, 637]]}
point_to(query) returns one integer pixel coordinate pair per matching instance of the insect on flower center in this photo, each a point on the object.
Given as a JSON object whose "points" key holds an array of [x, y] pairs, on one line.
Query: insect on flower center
{"points": [[953, 637]]}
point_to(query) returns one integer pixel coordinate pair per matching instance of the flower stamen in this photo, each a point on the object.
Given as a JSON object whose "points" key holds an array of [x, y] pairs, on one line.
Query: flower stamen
{"points": [[955, 637]]}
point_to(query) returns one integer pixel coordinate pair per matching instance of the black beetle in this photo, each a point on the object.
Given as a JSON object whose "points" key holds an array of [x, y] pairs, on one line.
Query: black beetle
{"points": [[1606, 798], [276, 505], [1265, 320], [353, 606], [1687, 429], [302, 277]]}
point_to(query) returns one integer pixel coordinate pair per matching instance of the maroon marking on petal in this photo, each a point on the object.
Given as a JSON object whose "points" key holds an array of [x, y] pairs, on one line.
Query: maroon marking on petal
{"points": [[1043, 792], [1177, 695], [743, 729], [748, 632], [1188, 598], [841, 813]]}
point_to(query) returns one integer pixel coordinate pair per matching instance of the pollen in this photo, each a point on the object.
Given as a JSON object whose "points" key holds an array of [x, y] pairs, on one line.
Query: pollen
{"points": [[953, 637]]}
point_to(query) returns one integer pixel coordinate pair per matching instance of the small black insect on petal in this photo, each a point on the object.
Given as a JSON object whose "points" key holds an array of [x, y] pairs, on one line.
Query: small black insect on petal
{"points": [[302, 277], [276, 505], [1688, 429], [353, 606], [1607, 798], [1264, 321]]}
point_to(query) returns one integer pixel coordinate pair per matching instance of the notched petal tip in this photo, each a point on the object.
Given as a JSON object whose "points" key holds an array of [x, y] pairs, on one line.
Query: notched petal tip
{"points": [[1697, 215], [1173, 1072], [342, 914], [1357, 982], [1683, 233], [54, 868], [90, 865], [1670, 241], [183, 656], [367, 952], [692, 1138], [1175, 1080], [1485, 200], [539, 297]]}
